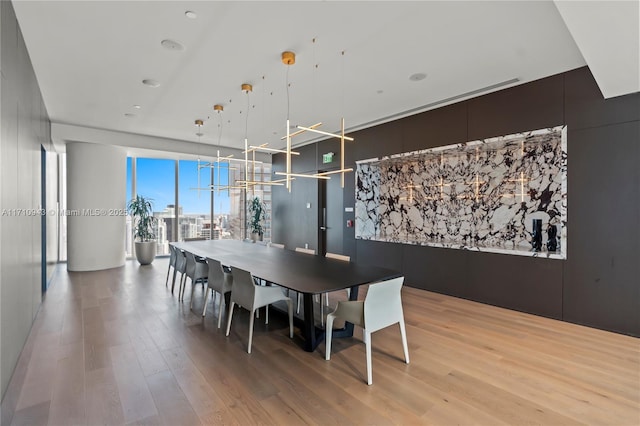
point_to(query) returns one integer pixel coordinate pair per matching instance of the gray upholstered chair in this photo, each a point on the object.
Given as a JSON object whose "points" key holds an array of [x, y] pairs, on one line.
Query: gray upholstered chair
{"points": [[196, 270], [172, 263], [218, 281], [381, 308], [250, 296]]}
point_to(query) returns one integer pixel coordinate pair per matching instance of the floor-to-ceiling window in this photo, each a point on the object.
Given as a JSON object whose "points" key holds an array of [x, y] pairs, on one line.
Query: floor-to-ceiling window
{"points": [[194, 218], [128, 241], [155, 179], [210, 202], [221, 200], [262, 173]]}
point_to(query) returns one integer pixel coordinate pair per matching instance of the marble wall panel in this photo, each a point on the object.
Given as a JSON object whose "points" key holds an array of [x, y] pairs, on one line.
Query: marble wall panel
{"points": [[480, 195]]}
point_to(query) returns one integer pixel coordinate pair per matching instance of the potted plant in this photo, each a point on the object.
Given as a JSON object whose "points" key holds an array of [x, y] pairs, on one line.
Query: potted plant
{"points": [[257, 213], [141, 210]]}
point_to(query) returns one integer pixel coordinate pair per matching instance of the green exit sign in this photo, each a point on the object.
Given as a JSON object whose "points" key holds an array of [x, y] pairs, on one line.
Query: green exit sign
{"points": [[327, 158]]}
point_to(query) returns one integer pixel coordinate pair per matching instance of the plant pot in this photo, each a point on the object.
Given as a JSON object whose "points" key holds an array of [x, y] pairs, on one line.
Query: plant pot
{"points": [[255, 237], [145, 252]]}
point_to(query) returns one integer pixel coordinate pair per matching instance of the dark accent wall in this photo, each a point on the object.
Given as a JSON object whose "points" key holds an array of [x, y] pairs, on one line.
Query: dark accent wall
{"points": [[25, 131], [297, 224], [598, 285]]}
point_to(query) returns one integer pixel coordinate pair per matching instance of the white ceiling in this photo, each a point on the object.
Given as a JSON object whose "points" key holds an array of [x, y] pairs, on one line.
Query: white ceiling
{"points": [[90, 58]]}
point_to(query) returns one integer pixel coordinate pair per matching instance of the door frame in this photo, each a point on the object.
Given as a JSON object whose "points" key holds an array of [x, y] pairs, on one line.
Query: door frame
{"points": [[322, 215]]}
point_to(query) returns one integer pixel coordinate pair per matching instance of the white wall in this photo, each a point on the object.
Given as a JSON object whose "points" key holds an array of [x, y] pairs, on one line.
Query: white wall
{"points": [[96, 191]]}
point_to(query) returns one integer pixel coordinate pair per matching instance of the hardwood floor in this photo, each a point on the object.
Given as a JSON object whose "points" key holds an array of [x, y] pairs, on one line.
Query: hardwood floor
{"points": [[115, 347]]}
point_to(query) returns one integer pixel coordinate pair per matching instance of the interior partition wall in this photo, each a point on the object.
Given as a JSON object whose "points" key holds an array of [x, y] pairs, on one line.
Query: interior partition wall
{"points": [[596, 285], [25, 128]]}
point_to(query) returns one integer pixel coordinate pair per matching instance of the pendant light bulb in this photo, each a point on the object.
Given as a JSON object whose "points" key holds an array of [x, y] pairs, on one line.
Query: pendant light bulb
{"points": [[288, 58]]}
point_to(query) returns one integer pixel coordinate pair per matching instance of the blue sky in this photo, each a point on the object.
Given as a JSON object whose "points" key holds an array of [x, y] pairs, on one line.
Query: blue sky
{"points": [[156, 180]]}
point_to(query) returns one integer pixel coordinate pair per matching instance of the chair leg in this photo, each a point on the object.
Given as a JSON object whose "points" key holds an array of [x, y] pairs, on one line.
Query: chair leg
{"points": [[328, 331], [180, 288], [403, 333], [298, 303], [266, 314], [183, 284], [251, 319], [366, 336], [290, 309], [206, 295], [166, 282], [193, 288], [220, 309], [173, 280], [230, 314]]}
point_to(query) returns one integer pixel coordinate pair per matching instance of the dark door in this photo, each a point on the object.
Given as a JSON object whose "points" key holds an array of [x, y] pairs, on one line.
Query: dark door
{"points": [[43, 218], [330, 220]]}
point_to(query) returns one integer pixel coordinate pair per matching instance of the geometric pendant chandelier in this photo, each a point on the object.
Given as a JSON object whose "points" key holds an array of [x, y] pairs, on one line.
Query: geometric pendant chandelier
{"points": [[289, 58]]}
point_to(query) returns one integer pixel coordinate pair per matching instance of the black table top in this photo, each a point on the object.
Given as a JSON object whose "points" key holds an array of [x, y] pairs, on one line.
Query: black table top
{"points": [[301, 272]]}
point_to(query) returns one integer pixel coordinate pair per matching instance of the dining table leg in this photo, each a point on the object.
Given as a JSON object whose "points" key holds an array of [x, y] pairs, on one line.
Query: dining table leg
{"points": [[312, 335]]}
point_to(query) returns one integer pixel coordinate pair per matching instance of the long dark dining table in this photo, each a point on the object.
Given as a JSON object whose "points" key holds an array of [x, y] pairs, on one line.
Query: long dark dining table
{"points": [[304, 273]]}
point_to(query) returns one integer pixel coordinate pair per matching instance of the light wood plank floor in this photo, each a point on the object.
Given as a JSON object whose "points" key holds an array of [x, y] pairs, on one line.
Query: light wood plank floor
{"points": [[115, 347]]}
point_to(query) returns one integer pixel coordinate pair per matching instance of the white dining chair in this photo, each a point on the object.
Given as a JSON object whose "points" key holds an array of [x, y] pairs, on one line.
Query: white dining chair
{"points": [[181, 267], [342, 258], [218, 281], [250, 296], [196, 270], [305, 251], [338, 256], [172, 263], [281, 247], [381, 308]]}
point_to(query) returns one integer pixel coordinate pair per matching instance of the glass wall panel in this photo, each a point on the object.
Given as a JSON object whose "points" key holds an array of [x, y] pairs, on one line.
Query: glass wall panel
{"points": [[155, 179], [210, 203], [194, 218], [261, 173], [223, 228], [128, 237]]}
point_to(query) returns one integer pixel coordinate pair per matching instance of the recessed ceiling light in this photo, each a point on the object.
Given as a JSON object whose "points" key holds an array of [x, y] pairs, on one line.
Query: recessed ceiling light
{"points": [[379, 92], [171, 44], [137, 106], [129, 115], [191, 14], [199, 134], [150, 82], [417, 76]]}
